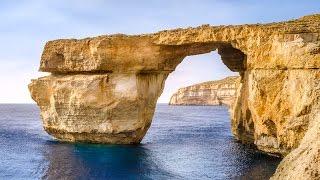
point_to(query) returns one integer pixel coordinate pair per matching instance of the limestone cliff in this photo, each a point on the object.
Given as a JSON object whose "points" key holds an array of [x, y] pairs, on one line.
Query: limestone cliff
{"points": [[220, 92], [104, 89]]}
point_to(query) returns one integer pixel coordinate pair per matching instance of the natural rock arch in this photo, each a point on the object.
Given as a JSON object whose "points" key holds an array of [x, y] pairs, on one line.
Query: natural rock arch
{"points": [[136, 75], [104, 89]]}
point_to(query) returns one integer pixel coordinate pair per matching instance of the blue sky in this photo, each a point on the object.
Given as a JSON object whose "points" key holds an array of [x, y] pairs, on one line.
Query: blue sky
{"points": [[26, 26]]}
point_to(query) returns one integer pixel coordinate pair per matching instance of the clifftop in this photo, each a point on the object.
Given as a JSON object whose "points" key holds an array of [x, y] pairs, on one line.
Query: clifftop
{"points": [[218, 92], [227, 80]]}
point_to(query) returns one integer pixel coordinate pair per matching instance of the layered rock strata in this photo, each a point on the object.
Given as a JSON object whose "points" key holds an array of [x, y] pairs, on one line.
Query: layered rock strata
{"points": [[220, 92], [104, 89], [100, 108]]}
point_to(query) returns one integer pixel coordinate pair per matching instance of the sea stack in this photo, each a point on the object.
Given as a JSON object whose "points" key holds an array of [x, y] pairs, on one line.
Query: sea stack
{"points": [[104, 89]]}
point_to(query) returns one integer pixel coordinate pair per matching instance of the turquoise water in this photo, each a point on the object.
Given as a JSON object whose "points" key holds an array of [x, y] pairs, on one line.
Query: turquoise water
{"points": [[184, 142]]}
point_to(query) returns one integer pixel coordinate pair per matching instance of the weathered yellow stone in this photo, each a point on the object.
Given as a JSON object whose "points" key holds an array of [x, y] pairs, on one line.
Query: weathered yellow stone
{"points": [[304, 161], [219, 92], [99, 108], [104, 89]]}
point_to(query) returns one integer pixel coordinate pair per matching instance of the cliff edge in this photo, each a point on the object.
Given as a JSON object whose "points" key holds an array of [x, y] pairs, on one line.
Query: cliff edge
{"points": [[219, 92]]}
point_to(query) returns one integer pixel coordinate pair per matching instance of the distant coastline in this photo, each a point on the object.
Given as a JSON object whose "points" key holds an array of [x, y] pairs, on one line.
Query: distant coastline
{"points": [[211, 93]]}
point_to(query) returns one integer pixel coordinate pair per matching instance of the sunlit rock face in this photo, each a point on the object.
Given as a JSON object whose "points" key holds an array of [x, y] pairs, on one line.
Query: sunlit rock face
{"points": [[104, 89], [100, 108], [304, 161], [220, 92]]}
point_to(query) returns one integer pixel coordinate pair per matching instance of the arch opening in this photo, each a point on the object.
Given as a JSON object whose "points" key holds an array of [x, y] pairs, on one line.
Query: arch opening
{"points": [[203, 63], [233, 64]]}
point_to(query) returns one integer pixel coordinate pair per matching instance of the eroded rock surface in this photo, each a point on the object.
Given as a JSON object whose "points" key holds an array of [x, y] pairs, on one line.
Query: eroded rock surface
{"points": [[304, 161], [100, 108], [104, 89], [220, 92]]}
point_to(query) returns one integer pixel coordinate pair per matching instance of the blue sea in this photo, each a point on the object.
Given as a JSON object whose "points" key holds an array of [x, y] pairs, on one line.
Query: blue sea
{"points": [[184, 142]]}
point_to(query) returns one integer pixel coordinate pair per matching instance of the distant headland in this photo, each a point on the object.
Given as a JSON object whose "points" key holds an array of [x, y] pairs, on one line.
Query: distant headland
{"points": [[219, 92]]}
